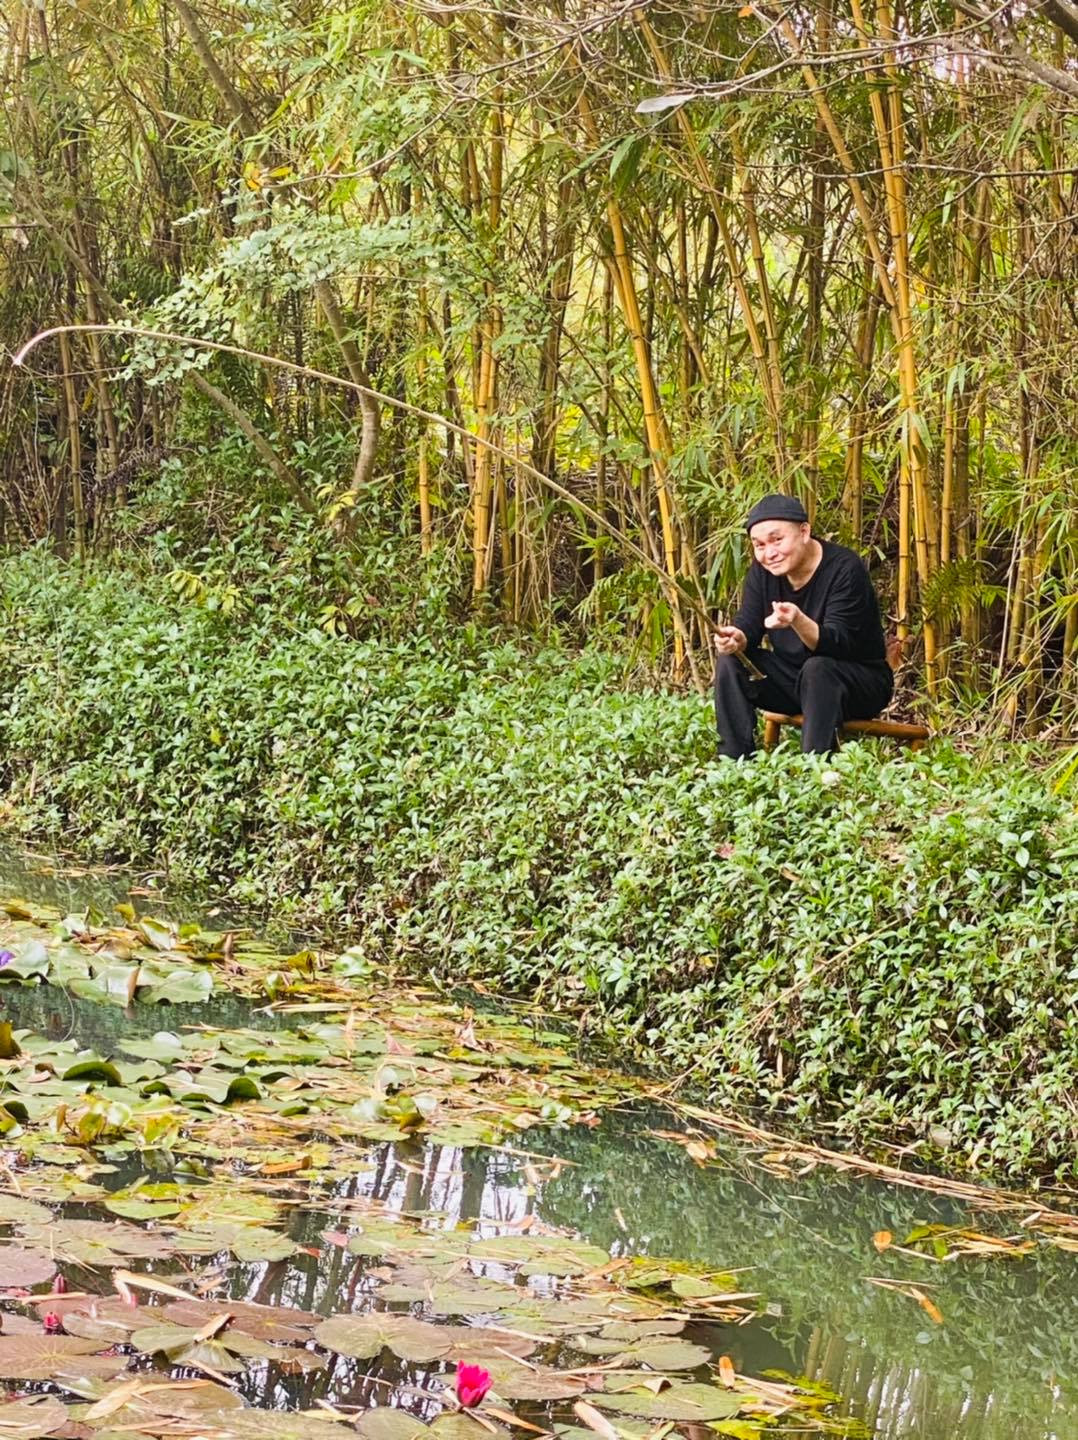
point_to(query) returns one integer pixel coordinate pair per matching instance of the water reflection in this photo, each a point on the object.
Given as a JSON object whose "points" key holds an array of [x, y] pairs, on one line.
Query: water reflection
{"points": [[1003, 1366]]}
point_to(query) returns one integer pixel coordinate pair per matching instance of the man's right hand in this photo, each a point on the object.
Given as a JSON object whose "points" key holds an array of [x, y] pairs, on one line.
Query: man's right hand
{"points": [[729, 640]]}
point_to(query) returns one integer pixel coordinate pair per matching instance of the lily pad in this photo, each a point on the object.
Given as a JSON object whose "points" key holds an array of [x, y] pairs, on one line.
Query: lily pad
{"points": [[634, 1330], [164, 1047], [247, 1242], [94, 1068], [32, 1418], [385, 1422], [24, 1267], [45, 1357], [657, 1353], [183, 1347], [95, 1242], [14, 1210], [364, 1336], [539, 1382], [541, 1254], [178, 987], [679, 1402], [263, 1322], [152, 1403], [271, 1425]]}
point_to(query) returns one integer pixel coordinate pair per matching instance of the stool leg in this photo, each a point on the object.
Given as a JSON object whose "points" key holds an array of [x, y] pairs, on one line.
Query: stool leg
{"points": [[771, 734]]}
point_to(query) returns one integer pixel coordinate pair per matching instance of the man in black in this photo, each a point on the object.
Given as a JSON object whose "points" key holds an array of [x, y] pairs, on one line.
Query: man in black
{"points": [[828, 660]]}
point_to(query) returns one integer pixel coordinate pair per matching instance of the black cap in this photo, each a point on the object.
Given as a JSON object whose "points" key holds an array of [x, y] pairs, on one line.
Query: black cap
{"points": [[777, 507]]}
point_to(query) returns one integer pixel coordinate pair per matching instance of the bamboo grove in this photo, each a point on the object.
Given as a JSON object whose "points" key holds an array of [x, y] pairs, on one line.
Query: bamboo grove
{"points": [[646, 259]]}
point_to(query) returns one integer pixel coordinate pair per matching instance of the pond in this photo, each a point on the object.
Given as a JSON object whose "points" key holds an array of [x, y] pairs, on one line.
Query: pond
{"points": [[988, 1353]]}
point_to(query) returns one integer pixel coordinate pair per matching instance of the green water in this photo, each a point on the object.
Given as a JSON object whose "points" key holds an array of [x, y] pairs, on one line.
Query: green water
{"points": [[1003, 1366]]}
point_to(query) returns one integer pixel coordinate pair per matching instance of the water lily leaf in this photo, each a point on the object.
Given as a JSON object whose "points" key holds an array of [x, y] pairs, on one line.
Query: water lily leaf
{"points": [[159, 935], [463, 1427], [385, 1422], [179, 987], [94, 1068], [30, 961], [454, 1298], [670, 1355], [33, 1417], [14, 1210], [541, 1254], [219, 1086], [379, 1237], [135, 1209], [45, 1357], [691, 1287], [153, 1399], [364, 1336], [596, 1345], [183, 1347], [115, 984], [106, 1329], [164, 1047], [679, 1402], [214, 1204], [247, 1242], [523, 1382], [263, 1322], [272, 1425], [634, 1330], [95, 1242], [24, 1267]]}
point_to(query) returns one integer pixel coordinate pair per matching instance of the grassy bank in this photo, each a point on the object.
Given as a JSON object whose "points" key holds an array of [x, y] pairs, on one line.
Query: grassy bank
{"points": [[878, 942]]}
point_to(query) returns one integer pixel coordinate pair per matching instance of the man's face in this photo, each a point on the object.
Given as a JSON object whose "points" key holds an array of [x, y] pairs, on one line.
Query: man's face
{"points": [[780, 545]]}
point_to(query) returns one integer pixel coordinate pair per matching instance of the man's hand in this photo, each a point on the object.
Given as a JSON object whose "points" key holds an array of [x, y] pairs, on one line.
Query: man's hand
{"points": [[784, 615], [729, 640]]}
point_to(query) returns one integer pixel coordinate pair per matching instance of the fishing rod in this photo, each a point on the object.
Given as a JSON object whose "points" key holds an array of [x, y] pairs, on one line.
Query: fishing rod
{"points": [[670, 583]]}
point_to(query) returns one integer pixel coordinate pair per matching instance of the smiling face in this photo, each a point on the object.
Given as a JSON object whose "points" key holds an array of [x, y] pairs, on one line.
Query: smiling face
{"points": [[782, 546]]}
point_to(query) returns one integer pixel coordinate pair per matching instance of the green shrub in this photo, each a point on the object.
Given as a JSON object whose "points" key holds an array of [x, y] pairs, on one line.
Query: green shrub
{"points": [[878, 942]]}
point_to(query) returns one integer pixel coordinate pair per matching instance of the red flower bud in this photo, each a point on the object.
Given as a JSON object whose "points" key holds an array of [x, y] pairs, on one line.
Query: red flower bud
{"points": [[52, 1324], [472, 1384], [59, 1285]]}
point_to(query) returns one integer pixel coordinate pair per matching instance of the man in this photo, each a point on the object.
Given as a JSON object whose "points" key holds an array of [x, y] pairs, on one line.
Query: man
{"points": [[828, 659]]}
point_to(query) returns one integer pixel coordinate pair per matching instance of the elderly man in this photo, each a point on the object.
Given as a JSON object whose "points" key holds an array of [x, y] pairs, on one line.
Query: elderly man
{"points": [[827, 660]]}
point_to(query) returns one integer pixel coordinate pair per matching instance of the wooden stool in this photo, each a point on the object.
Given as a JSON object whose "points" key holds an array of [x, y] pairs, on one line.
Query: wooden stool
{"points": [[912, 735]]}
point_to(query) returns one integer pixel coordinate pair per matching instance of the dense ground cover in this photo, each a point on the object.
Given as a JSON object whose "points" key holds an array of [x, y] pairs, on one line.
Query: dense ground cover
{"points": [[881, 942]]}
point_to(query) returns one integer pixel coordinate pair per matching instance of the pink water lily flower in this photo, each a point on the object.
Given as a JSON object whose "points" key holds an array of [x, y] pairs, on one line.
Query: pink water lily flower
{"points": [[472, 1384]]}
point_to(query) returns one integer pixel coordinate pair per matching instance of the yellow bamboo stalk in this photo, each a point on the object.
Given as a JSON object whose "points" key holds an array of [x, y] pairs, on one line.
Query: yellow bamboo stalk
{"points": [[767, 369], [74, 447], [483, 485], [426, 527], [655, 426]]}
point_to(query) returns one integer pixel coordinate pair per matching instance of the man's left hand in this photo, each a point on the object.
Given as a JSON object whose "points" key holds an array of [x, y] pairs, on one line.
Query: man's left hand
{"points": [[784, 615]]}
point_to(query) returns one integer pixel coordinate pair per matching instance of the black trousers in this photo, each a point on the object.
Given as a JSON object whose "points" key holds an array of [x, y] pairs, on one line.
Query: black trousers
{"points": [[823, 690]]}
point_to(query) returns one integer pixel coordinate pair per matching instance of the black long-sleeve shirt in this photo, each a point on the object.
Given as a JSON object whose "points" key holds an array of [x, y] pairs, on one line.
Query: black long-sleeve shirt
{"points": [[839, 597]]}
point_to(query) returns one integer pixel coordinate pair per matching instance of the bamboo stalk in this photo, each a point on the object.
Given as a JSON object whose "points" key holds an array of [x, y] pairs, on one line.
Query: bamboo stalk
{"points": [[74, 447]]}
